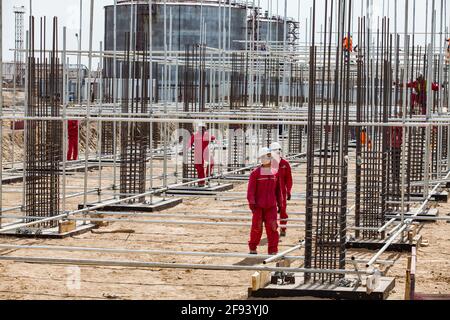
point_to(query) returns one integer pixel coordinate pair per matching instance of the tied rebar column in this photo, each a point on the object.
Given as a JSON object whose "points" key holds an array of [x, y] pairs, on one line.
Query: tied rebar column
{"points": [[372, 142], [134, 135], [194, 93], [44, 137], [326, 191]]}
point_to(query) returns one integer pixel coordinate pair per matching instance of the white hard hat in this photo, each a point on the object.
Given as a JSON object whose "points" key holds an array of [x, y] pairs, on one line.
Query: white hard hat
{"points": [[200, 124], [275, 146], [263, 151]]}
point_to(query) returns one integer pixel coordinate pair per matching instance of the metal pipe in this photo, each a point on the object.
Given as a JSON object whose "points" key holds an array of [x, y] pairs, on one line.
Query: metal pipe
{"points": [[384, 248], [281, 255], [136, 264]]}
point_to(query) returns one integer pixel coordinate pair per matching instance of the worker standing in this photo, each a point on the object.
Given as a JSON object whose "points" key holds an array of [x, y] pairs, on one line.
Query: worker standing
{"points": [[264, 197], [286, 183], [419, 94], [447, 56], [201, 140], [348, 48], [419, 98], [395, 149], [72, 152]]}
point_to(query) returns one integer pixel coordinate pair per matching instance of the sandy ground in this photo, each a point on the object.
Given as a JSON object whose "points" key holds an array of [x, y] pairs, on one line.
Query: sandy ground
{"points": [[38, 281]]}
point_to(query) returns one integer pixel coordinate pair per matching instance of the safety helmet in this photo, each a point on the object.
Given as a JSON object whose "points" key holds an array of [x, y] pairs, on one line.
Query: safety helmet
{"points": [[263, 152], [275, 146]]}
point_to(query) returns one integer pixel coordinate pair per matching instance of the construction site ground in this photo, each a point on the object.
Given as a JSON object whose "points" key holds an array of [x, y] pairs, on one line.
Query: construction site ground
{"points": [[44, 281]]}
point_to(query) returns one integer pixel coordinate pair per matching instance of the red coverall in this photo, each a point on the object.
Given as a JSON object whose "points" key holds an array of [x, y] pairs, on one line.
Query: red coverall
{"points": [[72, 152], [420, 95], [396, 137], [285, 178], [202, 138], [264, 195]]}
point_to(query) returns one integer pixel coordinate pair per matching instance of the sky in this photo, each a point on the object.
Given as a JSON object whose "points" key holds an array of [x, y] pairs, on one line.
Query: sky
{"points": [[68, 12]]}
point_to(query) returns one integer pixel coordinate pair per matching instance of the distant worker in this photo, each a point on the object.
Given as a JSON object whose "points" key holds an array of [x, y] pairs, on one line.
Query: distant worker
{"points": [[72, 130], [396, 142], [286, 183], [264, 196], [201, 141], [419, 97], [447, 56], [348, 48]]}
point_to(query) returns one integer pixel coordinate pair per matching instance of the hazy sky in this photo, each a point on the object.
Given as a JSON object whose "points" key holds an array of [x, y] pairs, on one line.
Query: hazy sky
{"points": [[68, 13]]}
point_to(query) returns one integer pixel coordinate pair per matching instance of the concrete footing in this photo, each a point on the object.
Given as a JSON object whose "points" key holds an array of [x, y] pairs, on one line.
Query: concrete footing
{"points": [[325, 291]]}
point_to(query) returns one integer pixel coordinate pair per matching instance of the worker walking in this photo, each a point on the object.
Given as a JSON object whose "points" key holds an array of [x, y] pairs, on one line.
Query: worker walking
{"points": [[72, 130], [264, 197], [201, 141], [286, 183]]}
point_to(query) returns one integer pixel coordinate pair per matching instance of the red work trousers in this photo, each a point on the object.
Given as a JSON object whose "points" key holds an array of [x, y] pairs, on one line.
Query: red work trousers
{"points": [[269, 218], [72, 152], [283, 215], [201, 172]]}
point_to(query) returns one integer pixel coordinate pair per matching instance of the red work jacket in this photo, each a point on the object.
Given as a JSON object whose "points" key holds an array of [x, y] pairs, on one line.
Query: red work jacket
{"points": [[264, 188], [201, 139]]}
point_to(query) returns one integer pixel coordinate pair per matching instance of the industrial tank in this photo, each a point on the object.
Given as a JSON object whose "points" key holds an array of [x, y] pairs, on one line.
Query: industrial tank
{"points": [[183, 17], [265, 28]]}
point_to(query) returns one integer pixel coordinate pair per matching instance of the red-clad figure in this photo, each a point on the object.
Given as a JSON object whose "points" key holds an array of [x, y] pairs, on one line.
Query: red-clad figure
{"points": [[447, 56], [419, 96], [286, 183], [396, 137], [264, 196], [201, 141], [72, 152]]}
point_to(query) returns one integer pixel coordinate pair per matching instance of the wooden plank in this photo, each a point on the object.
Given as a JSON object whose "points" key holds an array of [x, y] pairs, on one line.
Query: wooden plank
{"points": [[256, 281], [408, 280], [66, 226], [260, 279]]}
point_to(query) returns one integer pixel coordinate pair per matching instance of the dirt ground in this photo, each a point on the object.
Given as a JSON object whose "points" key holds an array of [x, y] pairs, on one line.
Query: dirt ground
{"points": [[40, 281]]}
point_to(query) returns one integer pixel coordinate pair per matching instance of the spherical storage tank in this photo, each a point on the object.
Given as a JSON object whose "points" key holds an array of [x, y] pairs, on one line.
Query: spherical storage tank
{"points": [[185, 17]]}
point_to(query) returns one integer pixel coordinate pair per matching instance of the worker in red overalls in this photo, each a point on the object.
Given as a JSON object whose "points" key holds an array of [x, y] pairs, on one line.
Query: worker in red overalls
{"points": [[447, 56], [419, 96], [201, 140], [264, 196], [72, 152], [285, 178], [396, 142]]}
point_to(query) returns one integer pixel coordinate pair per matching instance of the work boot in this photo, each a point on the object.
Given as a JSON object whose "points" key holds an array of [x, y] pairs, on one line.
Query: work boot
{"points": [[283, 233], [253, 252]]}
